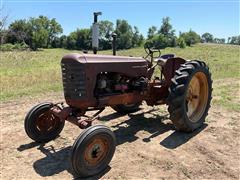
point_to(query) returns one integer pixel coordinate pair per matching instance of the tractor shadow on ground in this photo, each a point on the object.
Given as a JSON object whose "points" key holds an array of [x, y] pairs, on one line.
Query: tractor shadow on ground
{"points": [[177, 138], [155, 125], [57, 161], [126, 131], [54, 162], [27, 146]]}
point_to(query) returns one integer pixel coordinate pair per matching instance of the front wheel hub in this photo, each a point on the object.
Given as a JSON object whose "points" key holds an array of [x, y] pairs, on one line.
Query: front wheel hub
{"points": [[96, 151]]}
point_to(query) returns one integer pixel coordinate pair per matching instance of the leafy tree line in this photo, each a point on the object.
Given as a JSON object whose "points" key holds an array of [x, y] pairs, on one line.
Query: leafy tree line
{"points": [[209, 38], [42, 32], [127, 37], [165, 37], [234, 40], [36, 32]]}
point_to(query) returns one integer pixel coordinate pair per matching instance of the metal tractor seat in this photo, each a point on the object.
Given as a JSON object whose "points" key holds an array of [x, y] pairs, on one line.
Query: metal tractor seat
{"points": [[162, 59]]}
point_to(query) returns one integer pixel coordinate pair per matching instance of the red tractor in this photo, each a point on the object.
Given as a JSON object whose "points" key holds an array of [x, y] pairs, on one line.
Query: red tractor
{"points": [[91, 82]]}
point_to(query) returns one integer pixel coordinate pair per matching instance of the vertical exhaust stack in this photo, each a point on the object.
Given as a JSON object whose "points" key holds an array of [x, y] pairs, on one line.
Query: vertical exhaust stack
{"points": [[95, 32], [114, 36]]}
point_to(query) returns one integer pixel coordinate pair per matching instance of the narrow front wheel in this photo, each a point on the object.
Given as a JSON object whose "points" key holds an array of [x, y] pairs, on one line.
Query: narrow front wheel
{"points": [[41, 125], [93, 150]]}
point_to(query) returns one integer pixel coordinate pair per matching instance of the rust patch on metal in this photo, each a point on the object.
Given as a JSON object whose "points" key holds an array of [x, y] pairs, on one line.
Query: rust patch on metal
{"points": [[46, 122], [96, 151]]}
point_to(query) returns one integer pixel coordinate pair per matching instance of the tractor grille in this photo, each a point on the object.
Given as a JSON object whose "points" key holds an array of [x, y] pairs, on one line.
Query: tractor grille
{"points": [[73, 76]]}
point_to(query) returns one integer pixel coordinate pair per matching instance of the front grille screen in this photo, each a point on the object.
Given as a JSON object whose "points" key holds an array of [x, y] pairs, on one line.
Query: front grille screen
{"points": [[73, 76]]}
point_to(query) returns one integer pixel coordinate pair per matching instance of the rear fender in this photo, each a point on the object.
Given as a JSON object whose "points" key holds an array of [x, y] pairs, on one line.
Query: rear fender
{"points": [[169, 68]]}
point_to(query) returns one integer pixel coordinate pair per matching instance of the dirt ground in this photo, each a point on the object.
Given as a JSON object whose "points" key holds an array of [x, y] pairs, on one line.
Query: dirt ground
{"points": [[148, 146]]}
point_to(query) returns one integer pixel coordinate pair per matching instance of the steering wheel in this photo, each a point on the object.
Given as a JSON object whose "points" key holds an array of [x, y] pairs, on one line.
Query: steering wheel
{"points": [[150, 51]]}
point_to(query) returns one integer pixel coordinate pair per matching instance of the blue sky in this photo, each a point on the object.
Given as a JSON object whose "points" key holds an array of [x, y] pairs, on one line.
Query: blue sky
{"points": [[220, 17]]}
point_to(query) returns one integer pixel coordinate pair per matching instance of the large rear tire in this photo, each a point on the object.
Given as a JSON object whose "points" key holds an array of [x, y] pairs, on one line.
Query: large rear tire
{"points": [[41, 125], [93, 150], [190, 95], [127, 108]]}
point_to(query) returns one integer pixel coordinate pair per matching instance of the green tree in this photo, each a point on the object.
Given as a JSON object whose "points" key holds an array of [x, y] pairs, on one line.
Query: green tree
{"points": [[54, 30], [158, 41], [168, 32], [124, 34], [152, 31], [56, 42], [219, 40], [223, 40], [79, 39], [39, 39], [234, 40], [105, 31], [137, 38], [165, 37], [83, 40], [207, 38], [141, 40], [63, 41], [37, 32], [181, 43], [71, 41], [190, 37], [166, 28], [19, 32]]}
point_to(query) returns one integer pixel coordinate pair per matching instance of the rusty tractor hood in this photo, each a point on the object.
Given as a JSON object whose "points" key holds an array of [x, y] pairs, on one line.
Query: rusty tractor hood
{"points": [[91, 58]]}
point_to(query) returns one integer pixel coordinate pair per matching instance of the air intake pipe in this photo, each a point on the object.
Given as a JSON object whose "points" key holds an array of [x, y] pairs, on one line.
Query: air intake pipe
{"points": [[114, 36], [95, 32]]}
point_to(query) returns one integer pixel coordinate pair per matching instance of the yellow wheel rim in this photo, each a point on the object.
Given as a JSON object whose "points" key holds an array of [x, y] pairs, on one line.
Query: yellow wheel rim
{"points": [[197, 97]]}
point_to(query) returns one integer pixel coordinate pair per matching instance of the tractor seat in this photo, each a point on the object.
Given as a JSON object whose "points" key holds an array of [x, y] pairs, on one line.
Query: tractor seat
{"points": [[167, 56], [163, 59]]}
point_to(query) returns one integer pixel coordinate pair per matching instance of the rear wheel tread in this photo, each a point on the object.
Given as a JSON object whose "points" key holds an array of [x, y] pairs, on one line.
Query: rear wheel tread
{"points": [[177, 94]]}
